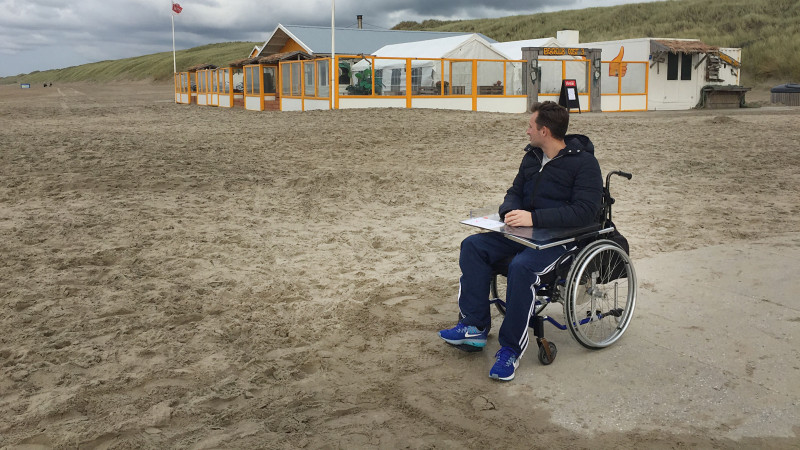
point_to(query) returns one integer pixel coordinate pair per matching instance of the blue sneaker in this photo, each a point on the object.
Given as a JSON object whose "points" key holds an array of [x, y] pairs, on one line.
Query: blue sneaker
{"points": [[507, 362], [465, 335]]}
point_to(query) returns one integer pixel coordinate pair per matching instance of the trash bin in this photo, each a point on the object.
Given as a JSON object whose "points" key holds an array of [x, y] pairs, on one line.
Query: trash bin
{"points": [[788, 94]]}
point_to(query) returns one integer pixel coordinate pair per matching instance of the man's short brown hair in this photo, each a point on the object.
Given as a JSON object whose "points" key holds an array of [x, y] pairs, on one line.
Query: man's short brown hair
{"points": [[553, 116]]}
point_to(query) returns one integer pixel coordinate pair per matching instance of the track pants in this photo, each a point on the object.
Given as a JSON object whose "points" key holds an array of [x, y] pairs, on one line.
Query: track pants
{"points": [[478, 253]]}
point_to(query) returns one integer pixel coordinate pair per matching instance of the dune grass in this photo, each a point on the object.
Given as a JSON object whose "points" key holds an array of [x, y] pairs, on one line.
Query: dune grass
{"points": [[768, 31], [155, 67]]}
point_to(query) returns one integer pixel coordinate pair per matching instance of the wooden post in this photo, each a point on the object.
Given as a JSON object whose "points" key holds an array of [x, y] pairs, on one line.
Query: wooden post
{"points": [[595, 66], [531, 74]]}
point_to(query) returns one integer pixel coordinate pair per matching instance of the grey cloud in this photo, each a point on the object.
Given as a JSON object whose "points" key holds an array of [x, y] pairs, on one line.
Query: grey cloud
{"points": [[94, 30], [427, 8]]}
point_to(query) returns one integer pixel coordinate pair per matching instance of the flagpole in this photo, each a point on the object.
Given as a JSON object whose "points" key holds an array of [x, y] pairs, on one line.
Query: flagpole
{"points": [[334, 70], [174, 63]]}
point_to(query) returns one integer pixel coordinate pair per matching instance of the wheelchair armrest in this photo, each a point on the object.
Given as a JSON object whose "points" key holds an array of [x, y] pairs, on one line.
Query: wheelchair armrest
{"points": [[593, 234], [561, 267]]}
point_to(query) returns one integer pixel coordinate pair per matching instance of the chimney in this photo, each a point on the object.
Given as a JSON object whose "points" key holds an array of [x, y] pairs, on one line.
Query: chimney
{"points": [[567, 37], [360, 19]]}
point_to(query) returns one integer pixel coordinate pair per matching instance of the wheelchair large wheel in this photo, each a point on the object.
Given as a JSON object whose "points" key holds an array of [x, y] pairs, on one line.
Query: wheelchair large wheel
{"points": [[600, 294]]}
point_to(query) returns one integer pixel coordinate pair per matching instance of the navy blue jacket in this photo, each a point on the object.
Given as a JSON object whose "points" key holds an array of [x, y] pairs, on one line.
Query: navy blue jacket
{"points": [[566, 192]]}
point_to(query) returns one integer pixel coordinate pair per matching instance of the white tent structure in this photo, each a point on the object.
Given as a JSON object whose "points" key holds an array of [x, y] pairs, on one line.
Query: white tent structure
{"points": [[471, 46], [513, 49], [427, 62]]}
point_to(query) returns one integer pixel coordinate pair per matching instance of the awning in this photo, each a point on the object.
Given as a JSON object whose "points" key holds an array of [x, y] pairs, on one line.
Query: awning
{"points": [[683, 46], [271, 59]]}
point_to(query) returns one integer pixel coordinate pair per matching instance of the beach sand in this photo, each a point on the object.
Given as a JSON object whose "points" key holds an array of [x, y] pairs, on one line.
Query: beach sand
{"points": [[198, 277]]}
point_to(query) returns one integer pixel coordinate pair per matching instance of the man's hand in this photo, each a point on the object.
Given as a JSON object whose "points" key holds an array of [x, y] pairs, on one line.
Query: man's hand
{"points": [[519, 218]]}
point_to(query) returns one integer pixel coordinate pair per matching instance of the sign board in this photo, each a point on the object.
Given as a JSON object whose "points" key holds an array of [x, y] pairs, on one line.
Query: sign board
{"points": [[25, 86], [728, 60], [569, 95], [564, 51]]}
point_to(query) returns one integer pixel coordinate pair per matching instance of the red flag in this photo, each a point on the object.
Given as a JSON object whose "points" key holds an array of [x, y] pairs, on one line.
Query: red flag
{"points": [[177, 8]]}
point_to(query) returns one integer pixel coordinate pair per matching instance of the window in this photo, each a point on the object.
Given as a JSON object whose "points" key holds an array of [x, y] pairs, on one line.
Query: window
{"points": [[635, 79], [344, 74], [323, 79], [224, 82], [238, 81], [256, 80], [577, 70], [514, 78], [416, 78], [252, 76], [296, 76], [286, 79], [686, 66], [308, 78], [682, 61], [378, 81], [392, 79], [672, 66], [490, 78], [269, 80], [461, 75]]}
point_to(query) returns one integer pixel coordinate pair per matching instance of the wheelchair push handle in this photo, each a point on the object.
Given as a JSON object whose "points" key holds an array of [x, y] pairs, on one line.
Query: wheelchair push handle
{"points": [[622, 174], [616, 172], [608, 200]]}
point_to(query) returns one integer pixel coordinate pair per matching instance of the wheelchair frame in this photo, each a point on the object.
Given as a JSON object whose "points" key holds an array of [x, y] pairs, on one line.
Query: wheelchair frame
{"points": [[596, 312]]}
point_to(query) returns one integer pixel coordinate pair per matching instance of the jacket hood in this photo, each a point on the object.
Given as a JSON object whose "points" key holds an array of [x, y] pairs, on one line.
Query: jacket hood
{"points": [[579, 142]]}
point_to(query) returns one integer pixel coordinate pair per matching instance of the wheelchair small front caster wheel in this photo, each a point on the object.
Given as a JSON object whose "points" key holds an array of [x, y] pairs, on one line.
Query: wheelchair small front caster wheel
{"points": [[543, 358]]}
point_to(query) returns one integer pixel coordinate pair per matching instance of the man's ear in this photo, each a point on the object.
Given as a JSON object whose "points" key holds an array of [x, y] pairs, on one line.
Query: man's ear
{"points": [[547, 132]]}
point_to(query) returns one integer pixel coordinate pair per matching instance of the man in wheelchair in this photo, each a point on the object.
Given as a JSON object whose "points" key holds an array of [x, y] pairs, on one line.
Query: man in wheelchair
{"points": [[559, 185]]}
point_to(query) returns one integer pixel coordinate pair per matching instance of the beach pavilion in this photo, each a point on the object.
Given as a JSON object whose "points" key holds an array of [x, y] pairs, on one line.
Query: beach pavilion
{"points": [[307, 86], [295, 62], [467, 71], [228, 85]]}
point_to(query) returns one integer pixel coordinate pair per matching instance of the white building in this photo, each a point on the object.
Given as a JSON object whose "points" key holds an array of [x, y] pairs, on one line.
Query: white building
{"points": [[671, 72]]}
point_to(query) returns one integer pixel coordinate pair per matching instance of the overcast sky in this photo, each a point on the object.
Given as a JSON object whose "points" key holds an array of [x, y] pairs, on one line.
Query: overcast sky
{"points": [[51, 34]]}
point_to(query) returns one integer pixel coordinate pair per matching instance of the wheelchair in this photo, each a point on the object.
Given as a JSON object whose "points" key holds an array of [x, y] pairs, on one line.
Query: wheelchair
{"points": [[595, 283]]}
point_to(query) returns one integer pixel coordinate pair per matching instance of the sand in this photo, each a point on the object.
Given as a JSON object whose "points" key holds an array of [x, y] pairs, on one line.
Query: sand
{"points": [[195, 277]]}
